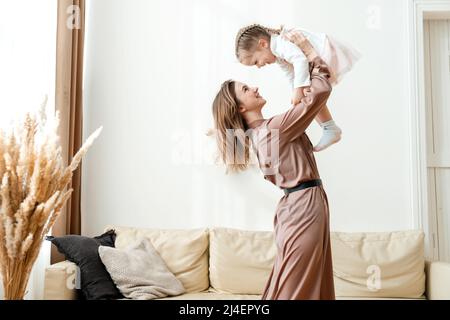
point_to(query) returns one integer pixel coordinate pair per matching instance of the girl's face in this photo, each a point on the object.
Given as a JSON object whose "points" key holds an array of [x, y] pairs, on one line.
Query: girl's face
{"points": [[261, 56], [249, 98]]}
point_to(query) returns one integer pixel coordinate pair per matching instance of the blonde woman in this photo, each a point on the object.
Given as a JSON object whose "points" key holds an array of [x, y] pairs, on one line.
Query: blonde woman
{"points": [[303, 266]]}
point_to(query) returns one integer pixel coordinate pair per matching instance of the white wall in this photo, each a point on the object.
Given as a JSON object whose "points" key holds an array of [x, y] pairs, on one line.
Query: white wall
{"points": [[152, 70], [27, 74]]}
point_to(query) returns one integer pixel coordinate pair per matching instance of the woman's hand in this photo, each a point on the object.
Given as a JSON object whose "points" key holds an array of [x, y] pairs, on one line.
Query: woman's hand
{"points": [[297, 95], [297, 38]]}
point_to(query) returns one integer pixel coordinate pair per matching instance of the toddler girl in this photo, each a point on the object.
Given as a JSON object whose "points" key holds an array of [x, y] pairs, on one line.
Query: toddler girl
{"points": [[257, 45]]}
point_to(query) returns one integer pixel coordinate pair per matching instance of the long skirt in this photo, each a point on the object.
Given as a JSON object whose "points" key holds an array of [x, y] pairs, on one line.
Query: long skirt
{"points": [[303, 266]]}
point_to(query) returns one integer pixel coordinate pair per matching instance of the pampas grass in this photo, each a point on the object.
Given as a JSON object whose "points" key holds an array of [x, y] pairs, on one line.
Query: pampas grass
{"points": [[33, 191]]}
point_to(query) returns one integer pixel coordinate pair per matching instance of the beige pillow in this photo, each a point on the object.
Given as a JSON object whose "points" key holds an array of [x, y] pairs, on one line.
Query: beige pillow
{"points": [[139, 272], [379, 264], [240, 261], [185, 252]]}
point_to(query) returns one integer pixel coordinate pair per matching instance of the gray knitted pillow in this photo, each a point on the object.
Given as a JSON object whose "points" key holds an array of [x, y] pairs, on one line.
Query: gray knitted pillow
{"points": [[139, 272]]}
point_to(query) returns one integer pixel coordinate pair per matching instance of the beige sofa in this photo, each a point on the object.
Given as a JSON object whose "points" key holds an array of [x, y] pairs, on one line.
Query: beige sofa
{"points": [[223, 263]]}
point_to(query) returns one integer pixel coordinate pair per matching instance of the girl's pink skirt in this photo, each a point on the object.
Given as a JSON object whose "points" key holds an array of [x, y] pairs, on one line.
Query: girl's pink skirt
{"points": [[339, 57]]}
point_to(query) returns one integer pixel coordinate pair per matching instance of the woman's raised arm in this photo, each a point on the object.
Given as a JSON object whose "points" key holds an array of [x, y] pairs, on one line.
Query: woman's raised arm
{"points": [[293, 123]]}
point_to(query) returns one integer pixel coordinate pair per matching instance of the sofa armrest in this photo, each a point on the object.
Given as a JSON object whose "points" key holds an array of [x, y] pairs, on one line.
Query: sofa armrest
{"points": [[438, 279], [61, 281]]}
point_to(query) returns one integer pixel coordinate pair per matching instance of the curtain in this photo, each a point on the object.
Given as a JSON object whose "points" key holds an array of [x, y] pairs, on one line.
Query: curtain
{"points": [[68, 101]]}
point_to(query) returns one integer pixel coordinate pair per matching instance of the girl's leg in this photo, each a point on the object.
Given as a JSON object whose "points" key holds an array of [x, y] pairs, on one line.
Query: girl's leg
{"points": [[331, 132], [324, 115]]}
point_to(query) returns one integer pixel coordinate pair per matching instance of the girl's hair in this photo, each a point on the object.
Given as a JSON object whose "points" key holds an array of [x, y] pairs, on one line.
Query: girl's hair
{"points": [[247, 37], [234, 146]]}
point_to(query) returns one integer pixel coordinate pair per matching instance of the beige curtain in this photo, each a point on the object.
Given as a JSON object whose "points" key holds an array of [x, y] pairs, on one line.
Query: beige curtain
{"points": [[68, 101]]}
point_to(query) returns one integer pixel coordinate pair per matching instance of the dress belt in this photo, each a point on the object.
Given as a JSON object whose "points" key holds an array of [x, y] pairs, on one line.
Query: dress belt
{"points": [[303, 185]]}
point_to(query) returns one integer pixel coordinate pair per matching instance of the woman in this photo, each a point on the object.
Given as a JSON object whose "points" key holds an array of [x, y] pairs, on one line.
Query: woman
{"points": [[303, 266]]}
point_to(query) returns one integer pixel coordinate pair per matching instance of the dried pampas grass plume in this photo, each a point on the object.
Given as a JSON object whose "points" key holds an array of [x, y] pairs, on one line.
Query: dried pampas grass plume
{"points": [[33, 190]]}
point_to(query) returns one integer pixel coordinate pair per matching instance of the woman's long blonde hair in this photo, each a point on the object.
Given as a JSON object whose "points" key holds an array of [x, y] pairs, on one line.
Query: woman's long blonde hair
{"points": [[234, 146], [247, 38]]}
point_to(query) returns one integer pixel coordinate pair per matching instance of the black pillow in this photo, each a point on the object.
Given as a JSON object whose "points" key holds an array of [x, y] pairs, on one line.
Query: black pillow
{"points": [[96, 283]]}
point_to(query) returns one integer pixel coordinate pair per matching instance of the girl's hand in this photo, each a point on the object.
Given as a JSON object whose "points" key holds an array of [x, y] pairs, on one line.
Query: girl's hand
{"points": [[297, 38], [297, 96]]}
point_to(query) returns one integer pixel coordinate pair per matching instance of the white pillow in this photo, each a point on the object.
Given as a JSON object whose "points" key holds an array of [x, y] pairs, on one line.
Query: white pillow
{"points": [[139, 272]]}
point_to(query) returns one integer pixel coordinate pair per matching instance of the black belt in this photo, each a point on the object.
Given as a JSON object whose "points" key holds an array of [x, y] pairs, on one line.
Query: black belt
{"points": [[304, 185]]}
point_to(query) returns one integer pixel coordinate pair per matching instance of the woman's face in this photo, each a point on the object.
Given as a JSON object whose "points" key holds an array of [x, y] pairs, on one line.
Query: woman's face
{"points": [[249, 98]]}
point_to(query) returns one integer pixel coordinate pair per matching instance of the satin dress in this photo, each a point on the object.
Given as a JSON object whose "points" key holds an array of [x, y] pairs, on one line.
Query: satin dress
{"points": [[303, 265]]}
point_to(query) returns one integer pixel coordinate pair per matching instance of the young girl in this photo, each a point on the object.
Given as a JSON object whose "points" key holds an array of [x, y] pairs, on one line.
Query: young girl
{"points": [[257, 45]]}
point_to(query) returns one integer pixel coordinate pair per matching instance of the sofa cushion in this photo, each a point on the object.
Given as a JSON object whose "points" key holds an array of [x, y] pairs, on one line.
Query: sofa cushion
{"points": [[240, 261], [139, 272], [381, 264], [209, 295], [184, 251], [96, 283]]}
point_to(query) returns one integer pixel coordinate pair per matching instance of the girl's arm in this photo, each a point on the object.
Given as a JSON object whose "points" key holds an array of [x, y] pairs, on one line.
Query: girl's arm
{"points": [[288, 71], [295, 56], [307, 51]]}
